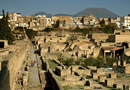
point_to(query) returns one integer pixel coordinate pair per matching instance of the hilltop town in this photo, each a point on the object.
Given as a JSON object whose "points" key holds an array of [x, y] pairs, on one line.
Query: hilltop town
{"points": [[65, 53]]}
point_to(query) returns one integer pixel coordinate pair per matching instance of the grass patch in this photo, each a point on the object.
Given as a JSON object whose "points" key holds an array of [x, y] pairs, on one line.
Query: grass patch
{"points": [[127, 75], [67, 87], [60, 78], [119, 75], [24, 62], [86, 76], [116, 89], [74, 87], [78, 87], [52, 64]]}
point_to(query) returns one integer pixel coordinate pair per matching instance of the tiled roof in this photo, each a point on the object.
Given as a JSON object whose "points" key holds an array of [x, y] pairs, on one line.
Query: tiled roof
{"points": [[112, 48], [84, 42]]}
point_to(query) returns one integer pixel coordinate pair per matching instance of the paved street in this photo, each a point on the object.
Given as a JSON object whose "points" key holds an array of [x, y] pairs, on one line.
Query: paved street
{"points": [[33, 71]]}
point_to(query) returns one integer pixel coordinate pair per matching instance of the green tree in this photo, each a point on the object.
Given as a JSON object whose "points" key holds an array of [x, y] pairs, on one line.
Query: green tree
{"points": [[102, 22], [30, 33], [72, 38], [99, 62], [5, 31], [110, 61], [89, 61], [109, 29]]}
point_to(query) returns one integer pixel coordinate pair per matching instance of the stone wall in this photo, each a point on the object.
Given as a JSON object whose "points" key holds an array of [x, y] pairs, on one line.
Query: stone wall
{"points": [[55, 83], [45, 63], [73, 83], [15, 60], [122, 38], [100, 36], [127, 69]]}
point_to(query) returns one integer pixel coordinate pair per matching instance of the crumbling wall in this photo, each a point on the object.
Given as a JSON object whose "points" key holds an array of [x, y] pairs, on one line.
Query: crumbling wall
{"points": [[15, 61]]}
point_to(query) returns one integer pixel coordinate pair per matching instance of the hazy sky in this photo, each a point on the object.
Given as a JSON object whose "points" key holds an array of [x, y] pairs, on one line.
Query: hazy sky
{"points": [[29, 7]]}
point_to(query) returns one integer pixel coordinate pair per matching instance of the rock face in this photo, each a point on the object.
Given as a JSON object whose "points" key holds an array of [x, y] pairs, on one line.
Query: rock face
{"points": [[98, 12]]}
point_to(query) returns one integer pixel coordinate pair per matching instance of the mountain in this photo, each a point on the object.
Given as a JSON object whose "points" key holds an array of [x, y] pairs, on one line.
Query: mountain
{"points": [[97, 12], [42, 13], [50, 15], [61, 14]]}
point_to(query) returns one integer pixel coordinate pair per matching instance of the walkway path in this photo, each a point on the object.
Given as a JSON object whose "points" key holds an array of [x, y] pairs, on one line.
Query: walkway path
{"points": [[33, 71]]}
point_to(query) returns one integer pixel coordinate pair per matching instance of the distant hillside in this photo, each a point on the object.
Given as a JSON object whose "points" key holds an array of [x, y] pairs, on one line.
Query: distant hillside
{"points": [[98, 12], [42, 13]]}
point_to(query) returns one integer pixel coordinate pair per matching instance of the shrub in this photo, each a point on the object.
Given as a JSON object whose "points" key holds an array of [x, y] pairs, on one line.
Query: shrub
{"points": [[119, 75], [69, 61]]}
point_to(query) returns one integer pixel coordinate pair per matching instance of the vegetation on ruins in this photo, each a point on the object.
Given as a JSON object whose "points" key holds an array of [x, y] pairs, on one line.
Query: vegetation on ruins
{"points": [[5, 31], [125, 58], [52, 64], [69, 42], [72, 87], [49, 29], [30, 33], [109, 29], [99, 61]]}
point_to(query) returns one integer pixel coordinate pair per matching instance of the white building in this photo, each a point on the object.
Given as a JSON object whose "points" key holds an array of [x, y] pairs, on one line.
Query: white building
{"points": [[1, 16], [125, 21], [48, 21]]}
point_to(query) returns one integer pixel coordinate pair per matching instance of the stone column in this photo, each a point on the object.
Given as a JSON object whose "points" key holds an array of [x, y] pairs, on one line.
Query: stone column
{"points": [[113, 54], [0, 66], [104, 54]]}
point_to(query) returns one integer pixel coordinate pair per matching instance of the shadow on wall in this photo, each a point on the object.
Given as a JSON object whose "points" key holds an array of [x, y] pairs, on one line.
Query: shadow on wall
{"points": [[4, 76]]}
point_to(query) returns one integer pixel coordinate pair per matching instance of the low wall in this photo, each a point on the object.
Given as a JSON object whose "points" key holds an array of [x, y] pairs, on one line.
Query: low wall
{"points": [[73, 83], [56, 84]]}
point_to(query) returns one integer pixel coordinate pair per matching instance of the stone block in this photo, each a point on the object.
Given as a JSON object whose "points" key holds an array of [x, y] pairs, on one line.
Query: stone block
{"points": [[24, 81], [101, 79], [112, 75], [126, 87], [118, 63], [118, 85], [87, 88], [127, 69], [89, 83], [101, 71], [124, 63], [95, 76], [92, 67], [115, 64], [109, 82]]}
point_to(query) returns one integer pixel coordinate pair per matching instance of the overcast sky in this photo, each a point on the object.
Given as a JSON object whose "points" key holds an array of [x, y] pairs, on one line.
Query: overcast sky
{"points": [[30, 7]]}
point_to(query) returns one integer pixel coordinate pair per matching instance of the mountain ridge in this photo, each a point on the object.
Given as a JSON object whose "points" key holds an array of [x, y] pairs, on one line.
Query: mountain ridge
{"points": [[97, 12]]}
